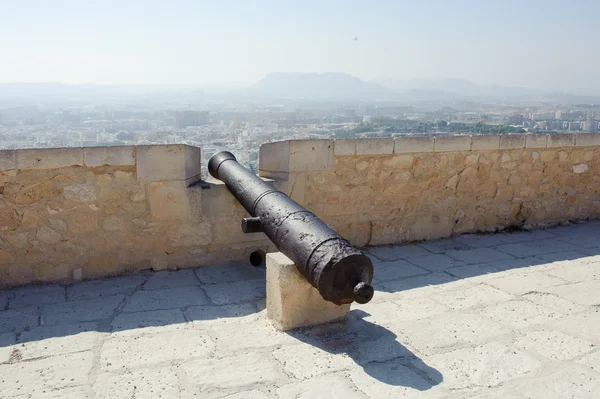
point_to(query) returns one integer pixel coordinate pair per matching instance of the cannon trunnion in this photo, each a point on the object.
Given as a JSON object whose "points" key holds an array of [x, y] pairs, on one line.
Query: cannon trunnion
{"points": [[340, 272]]}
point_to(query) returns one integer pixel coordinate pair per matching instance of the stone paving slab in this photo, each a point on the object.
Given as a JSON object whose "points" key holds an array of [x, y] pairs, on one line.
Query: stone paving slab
{"points": [[80, 311], [17, 320], [4, 295], [34, 296], [105, 287], [46, 374], [146, 383], [130, 352], [163, 280], [477, 316], [168, 298], [573, 382], [394, 270], [7, 340], [55, 340], [147, 320], [237, 292]]}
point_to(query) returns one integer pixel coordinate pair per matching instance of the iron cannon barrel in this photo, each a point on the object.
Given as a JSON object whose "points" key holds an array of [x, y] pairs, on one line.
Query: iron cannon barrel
{"points": [[339, 271]]}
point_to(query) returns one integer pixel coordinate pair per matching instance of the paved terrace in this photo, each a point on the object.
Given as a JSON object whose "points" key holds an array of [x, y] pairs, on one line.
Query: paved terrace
{"points": [[505, 315]]}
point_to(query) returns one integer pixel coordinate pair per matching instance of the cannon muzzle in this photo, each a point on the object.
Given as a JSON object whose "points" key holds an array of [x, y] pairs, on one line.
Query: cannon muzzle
{"points": [[340, 272]]}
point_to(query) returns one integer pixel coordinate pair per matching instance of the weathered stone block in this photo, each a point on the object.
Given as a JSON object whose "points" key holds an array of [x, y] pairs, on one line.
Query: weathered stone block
{"points": [[512, 141], [295, 156], [31, 191], [48, 158], [310, 155], [344, 147], [274, 157], [48, 236], [168, 200], [292, 301], [452, 143], [401, 161], [375, 146], [561, 140], [82, 220], [413, 144], [227, 230], [587, 139], [487, 142], [7, 159], [536, 141], [9, 220], [117, 155], [168, 162], [296, 187]]}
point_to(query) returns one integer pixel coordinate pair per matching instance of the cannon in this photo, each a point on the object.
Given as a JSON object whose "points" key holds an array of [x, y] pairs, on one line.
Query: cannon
{"points": [[341, 273]]}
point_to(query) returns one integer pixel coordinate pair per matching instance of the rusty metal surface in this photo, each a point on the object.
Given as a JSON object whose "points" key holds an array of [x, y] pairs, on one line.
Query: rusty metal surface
{"points": [[340, 272]]}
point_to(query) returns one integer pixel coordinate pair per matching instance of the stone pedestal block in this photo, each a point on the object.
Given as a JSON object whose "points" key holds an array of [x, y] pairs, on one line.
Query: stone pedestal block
{"points": [[291, 301]]}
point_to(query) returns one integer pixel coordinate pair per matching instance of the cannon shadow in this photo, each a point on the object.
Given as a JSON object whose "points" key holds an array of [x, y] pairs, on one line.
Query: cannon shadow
{"points": [[374, 348]]}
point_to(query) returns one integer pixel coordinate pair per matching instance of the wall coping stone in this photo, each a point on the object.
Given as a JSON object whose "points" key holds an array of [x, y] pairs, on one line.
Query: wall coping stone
{"points": [[152, 162]]}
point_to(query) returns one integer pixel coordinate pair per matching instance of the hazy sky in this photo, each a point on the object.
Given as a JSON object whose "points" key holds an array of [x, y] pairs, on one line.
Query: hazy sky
{"points": [[530, 43]]}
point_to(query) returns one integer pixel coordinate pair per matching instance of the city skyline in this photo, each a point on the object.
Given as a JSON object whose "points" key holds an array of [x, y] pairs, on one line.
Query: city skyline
{"points": [[532, 44]]}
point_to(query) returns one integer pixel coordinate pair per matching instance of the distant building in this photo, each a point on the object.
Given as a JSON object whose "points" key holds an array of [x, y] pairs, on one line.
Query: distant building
{"points": [[590, 126], [542, 116], [184, 119], [70, 117], [516, 119]]}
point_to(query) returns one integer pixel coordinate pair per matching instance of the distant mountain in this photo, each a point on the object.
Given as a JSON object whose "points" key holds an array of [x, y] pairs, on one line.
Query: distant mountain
{"points": [[320, 86], [457, 86]]}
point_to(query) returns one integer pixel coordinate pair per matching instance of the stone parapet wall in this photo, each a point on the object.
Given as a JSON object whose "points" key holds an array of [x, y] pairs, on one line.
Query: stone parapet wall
{"points": [[76, 213], [68, 214], [384, 191]]}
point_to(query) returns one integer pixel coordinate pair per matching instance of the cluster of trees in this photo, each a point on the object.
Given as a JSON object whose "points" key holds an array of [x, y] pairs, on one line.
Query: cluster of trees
{"points": [[360, 128], [429, 127], [481, 128]]}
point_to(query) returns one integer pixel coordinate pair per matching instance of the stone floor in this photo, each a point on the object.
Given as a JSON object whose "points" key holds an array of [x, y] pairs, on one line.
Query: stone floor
{"points": [[487, 316]]}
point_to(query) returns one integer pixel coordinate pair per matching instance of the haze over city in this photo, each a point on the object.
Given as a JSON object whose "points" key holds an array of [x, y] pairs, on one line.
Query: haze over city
{"points": [[533, 44], [232, 75]]}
